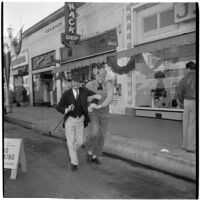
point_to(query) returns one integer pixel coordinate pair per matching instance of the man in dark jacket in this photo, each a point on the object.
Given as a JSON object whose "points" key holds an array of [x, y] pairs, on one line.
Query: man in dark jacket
{"points": [[74, 105], [186, 93]]}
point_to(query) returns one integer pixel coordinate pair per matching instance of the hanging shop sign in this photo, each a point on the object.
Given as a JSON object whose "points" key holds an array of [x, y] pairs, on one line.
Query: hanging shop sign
{"points": [[184, 11], [42, 61], [19, 60], [70, 37], [13, 153]]}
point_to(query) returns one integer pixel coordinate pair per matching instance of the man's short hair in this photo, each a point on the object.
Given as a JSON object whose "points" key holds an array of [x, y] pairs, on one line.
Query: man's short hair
{"points": [[191, 65], [76, 78]]}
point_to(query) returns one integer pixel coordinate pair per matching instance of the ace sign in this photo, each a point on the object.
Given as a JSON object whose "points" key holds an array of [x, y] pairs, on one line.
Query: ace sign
{"points": [[70, 37]]}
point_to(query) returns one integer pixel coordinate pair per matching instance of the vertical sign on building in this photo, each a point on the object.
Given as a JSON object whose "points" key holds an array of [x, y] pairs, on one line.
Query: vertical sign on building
{"points": [[70, 38]]}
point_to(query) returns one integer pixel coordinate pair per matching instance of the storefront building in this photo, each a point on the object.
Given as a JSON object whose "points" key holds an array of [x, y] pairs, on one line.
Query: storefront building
{"points": [[19, 81], [163, 42], [51, 63], [145, 47]]}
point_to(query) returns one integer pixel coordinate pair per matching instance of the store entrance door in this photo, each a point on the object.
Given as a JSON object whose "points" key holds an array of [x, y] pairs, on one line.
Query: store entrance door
{"points": [[43, 87]]}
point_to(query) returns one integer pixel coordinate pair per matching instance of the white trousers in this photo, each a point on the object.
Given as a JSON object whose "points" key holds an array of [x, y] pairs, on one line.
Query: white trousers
{"points": [[189, 125], [74, 131]]}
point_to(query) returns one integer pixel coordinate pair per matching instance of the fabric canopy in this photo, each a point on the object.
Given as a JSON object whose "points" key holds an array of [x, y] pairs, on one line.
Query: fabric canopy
{"points": [[112, 62], [82, 63]]}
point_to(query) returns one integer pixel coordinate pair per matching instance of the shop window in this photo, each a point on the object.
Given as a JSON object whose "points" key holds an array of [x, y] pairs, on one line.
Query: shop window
{"points": [[157, 76], [43, 88]]}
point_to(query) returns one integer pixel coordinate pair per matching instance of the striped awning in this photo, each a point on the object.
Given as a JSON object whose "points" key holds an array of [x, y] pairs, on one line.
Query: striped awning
{"points": [[68, 66]]}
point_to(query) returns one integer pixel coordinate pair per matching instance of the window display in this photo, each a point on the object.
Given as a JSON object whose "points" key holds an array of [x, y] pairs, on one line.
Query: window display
{"points": [[158, 74], [43, 85]]}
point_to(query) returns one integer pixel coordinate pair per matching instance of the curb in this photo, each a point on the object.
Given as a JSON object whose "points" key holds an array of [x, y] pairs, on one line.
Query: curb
{"points": [[124, 148], [171, 164]]}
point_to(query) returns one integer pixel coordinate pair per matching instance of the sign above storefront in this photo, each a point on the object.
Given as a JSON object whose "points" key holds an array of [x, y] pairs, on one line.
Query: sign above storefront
{"points": [[43, 61], [184, 11], [19, 60], [70, 37], [53, 27]]}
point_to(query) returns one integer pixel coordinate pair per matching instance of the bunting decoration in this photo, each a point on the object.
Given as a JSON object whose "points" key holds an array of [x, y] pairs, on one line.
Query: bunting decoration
{"points": [[112, 62], [17, 42]]}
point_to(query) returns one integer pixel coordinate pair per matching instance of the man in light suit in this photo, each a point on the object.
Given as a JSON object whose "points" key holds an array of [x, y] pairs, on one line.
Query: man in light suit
{"points": [[74, 105]]}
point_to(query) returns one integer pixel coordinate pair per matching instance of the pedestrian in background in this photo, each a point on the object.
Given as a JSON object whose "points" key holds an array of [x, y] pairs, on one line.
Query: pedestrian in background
{"points": [[73, 104], [186, 93], [99, 116]]}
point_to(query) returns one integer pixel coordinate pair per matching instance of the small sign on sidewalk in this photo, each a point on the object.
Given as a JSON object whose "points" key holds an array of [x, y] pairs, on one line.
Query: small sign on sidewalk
{"points": [[13, 153]]}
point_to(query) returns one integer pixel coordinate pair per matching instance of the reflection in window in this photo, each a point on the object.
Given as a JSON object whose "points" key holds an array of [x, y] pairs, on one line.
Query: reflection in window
{"points": [[157, 76]]}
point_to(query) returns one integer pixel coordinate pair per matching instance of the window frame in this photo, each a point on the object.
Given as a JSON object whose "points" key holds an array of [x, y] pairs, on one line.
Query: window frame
{"points": [[139, 12], [159, 29]]}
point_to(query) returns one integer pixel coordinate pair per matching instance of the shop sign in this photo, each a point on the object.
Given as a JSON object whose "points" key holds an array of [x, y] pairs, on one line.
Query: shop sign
{"points": [[53, 27], [13, 153], [19, 60], [70, 37], [43, 61], [184, 11]]}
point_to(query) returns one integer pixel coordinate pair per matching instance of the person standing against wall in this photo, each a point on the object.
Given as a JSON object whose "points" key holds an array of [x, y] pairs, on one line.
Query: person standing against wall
{"points": [[186, 93], [99, 116]]}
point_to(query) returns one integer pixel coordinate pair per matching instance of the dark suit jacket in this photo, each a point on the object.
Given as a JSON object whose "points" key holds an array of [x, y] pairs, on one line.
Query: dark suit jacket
{"points": [[68, 99]]}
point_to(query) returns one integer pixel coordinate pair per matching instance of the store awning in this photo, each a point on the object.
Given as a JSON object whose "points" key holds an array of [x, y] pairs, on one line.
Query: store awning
{"points": [[176, 41], [83, 62]]}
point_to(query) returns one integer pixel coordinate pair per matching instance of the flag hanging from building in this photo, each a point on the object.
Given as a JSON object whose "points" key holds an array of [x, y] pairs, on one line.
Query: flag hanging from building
{"points": [[17, 42]]}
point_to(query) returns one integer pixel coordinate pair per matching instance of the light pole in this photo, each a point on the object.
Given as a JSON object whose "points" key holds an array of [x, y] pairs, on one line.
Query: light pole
{"points": [[7, 53]]}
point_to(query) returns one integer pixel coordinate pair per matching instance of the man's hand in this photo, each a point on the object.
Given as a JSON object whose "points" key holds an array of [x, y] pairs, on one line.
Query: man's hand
{"points": [[69, 108], [90, 109], [96, 96], [93, 105]]}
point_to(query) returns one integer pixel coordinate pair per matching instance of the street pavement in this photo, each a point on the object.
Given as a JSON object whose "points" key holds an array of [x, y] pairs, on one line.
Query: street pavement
{"points": [[138, 139], [49, 176]]}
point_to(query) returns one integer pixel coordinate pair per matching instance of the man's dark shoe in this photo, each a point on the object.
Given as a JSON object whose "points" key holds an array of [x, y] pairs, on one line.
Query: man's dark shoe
{"points": [[74, 167], [89, 158], [96, 161]]}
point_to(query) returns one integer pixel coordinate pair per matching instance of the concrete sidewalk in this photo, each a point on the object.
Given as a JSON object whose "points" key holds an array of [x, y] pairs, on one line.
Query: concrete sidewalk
{"points": [[134, 138]]}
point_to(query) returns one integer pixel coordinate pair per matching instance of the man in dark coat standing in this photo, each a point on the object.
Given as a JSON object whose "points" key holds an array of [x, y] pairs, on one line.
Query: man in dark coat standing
{"points": [[74, 105], [186, 93]]}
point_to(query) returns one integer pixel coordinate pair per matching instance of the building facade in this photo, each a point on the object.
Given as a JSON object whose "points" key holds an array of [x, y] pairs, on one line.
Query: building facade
{"points": [[162, 36], [148, 42]]}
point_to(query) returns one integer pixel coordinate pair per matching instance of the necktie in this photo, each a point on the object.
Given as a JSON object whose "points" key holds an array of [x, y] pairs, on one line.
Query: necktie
{"points": [[100, 87]]}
